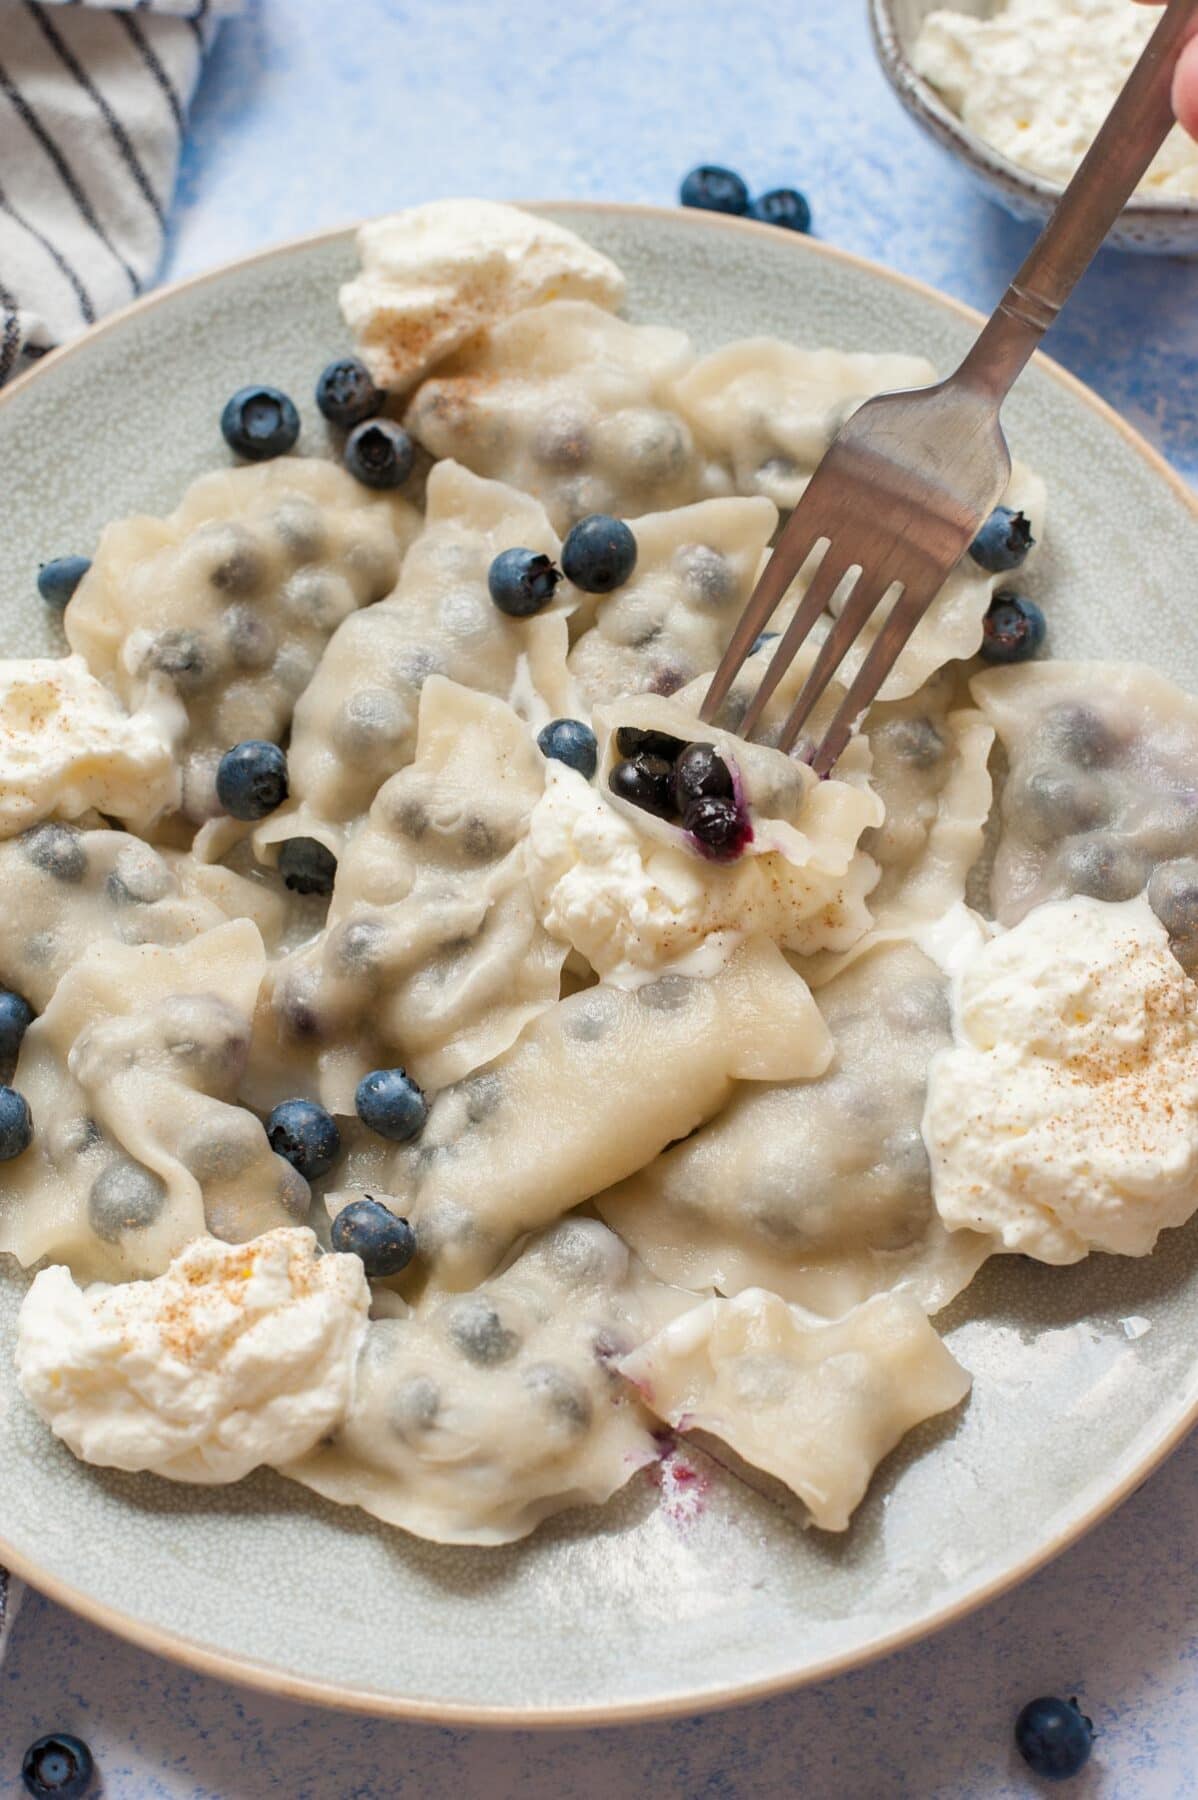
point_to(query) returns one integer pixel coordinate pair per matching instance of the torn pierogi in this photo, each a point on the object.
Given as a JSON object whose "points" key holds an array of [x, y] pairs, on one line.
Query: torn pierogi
{"points": [[1101, 796], [132, 1075], [356, 723], [594, 1088], [225, 605], [433, 949], [695, 569], [480, 1414], [768, 410], [573, 406], [817, 1187], [815, 1402]]}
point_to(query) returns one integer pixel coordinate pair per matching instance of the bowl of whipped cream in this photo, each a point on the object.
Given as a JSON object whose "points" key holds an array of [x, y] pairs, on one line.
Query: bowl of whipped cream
{"points": [[1017, 89]]}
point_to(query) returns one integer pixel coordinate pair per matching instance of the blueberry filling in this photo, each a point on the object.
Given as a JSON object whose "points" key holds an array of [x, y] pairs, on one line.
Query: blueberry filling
{"points": [[701, 774], [689, 784], [629, 740], [720, 827], [646, 781]]}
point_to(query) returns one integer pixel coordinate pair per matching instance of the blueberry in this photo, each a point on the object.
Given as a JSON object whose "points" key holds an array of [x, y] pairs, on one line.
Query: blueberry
{"points": [[125, 1196], [345, 392], [58, 851], [571, 742], [630, 739], [16, 1124], [645, 781], [555, 1390], [480, 1334], [57, 580], [709, 577], [916, 741], [719, 826], [306, 1135], [183, 656], [1013, 630], [389, 1102], [521, 582], [16, 1016], [366, 1228], [379, 453], [599, 554], [1173, 897], [306, 866], [714, 190], [1003, 542], [1053, 803], [782, 206], [259, 422], [1078, 734], [251, 779], [762, 639], [701, 774], [1102, 867], [58, 1766], [1054, 1737]]}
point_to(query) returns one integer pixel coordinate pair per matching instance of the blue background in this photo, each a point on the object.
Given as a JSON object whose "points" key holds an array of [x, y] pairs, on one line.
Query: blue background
{"points": [[316, 112]]}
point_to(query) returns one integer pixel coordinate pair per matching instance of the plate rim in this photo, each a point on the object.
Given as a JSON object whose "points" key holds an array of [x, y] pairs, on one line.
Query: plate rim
{"points": [[267, 1678]]}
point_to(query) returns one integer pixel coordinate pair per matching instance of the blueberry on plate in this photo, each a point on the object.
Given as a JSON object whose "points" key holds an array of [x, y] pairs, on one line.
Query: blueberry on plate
{"points": [[1013, 630], [379, 453], [701, 774], [346, 394], [307, 866], [305, 1135], [1003, 542], [571, 742], [16, 1016], [714, 190], [1054, 1737], [522, 582], [389, 1102], [719, 828], [599, 555], [58, 579], [259, 422], [251, 779], [366, 1228], [782, 206], [645, 781], [59, 1765], [16, 1124]]}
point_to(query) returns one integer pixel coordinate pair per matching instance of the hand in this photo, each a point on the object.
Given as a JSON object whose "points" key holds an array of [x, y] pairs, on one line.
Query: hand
{"points": [[1185, 86]]}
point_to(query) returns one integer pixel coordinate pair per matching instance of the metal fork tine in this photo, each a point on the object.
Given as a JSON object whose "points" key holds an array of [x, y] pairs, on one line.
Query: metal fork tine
{"points": [[905, 615], [824, 583], [797, 540], [865, 596]]}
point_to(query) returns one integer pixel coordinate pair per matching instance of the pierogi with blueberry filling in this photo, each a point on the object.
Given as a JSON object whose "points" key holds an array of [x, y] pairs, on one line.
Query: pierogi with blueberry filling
{"points": [[227, 604], [815, 1402], [817, 1187], [478, 1415], [574, 406], [132, 1074], [433, 948], [1101, 795]]}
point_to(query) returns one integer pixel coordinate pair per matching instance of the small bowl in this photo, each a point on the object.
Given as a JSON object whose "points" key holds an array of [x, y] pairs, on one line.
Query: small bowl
{"points": [[1162, 226]]}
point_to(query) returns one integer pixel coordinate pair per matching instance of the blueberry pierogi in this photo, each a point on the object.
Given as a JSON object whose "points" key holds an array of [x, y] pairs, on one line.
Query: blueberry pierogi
{"points": [[439, 1064]]}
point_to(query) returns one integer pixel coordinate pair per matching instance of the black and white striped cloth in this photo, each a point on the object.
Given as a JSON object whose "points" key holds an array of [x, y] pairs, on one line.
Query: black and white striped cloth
{"points": [[93, 101]]}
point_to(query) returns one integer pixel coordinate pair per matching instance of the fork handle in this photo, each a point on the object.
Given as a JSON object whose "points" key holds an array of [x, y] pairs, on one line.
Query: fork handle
{"points": [[1132, 133]]}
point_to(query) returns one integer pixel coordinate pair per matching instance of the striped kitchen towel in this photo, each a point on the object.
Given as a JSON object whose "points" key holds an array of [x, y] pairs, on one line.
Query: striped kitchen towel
{"points": [[93, 99]]}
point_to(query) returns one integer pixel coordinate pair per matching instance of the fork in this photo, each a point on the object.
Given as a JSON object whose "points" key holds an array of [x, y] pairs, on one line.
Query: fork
{"points": [[910, 477]]}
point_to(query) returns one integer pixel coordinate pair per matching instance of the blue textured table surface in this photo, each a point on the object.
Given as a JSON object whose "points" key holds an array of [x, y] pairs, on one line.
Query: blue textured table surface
{"points": [[312, 114]]}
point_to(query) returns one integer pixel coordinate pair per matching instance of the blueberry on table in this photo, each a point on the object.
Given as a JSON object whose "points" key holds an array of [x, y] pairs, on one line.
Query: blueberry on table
{"points": [[718, 826], [259, 422], [630, 739], [1054, 1737], [571, 742], [522, 582], [16, 1016], [1013, 630], [59, 1765], [305, 1135], [16, 1124], [645, 781], [785, 207], [366, 1228], [701, 774], [58, 579], [346, 394], [389, 1102], [1003, 542], [379, 453], [599, 555], [307, 866], [714, 190], [251, 779]]}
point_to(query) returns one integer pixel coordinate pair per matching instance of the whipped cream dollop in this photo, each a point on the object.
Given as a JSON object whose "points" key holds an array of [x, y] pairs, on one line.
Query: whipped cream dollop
{"points": [[434, 275], [67, 745], [239, 1354], [1065, 1117], [631, 904], [1037, 78]]}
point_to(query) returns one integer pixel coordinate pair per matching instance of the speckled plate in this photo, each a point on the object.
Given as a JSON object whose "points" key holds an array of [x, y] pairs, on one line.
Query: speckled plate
{"points": [[660, 1603]]}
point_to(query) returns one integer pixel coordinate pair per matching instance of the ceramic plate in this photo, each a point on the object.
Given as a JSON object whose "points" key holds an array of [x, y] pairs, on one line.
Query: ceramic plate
{"points": [[661, 1602]]}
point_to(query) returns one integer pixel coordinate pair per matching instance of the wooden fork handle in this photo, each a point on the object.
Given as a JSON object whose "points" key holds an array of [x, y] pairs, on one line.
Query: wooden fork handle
{"points": [[1133, 132]]}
